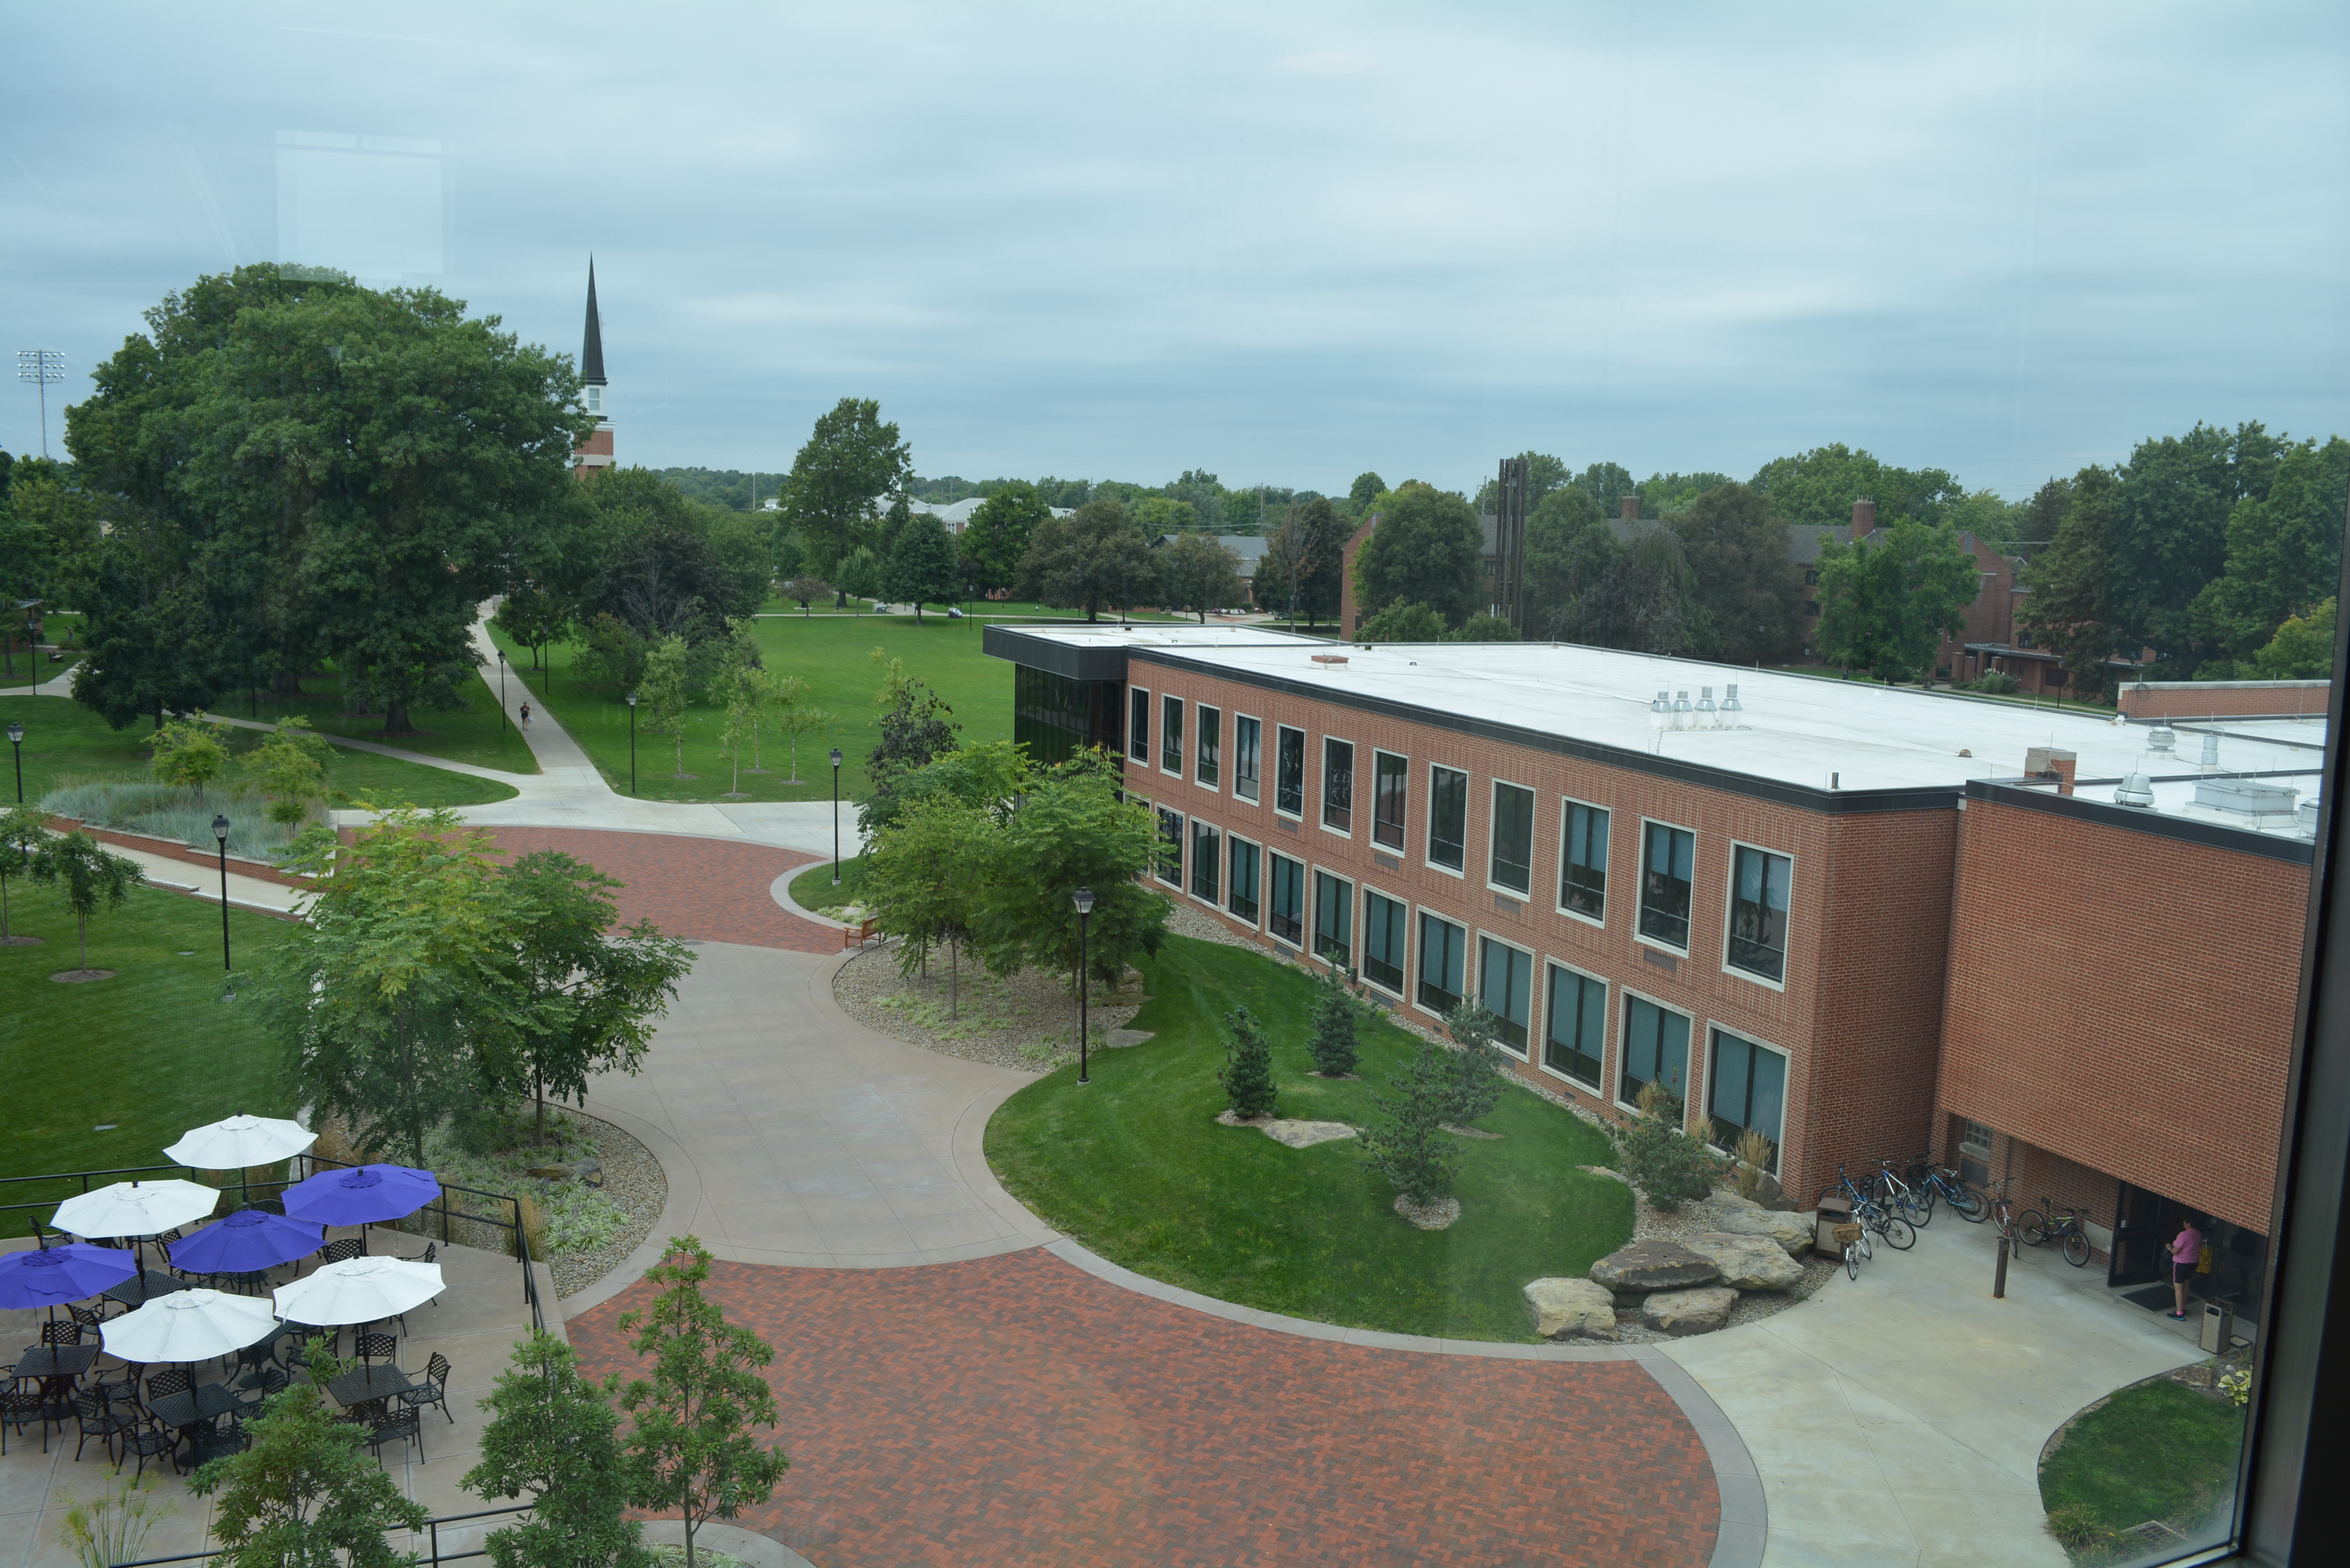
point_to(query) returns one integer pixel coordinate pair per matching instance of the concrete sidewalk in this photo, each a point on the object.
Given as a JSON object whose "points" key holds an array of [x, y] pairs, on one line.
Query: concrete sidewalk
{"points": [[249, 892]]}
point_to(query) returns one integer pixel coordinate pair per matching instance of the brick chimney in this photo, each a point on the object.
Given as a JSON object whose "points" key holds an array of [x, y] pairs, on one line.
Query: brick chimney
{"points": [[1864, 518], [2046, 764], [1631, 509]]}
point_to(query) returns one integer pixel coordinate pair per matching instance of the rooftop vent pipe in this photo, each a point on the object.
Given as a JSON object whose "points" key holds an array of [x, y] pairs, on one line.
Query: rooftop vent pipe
{"points": [[2135, 790], [2211, 753], [1660, 711], [1706, 719], [2164, 740], [1733, 713], [1681, 710]]}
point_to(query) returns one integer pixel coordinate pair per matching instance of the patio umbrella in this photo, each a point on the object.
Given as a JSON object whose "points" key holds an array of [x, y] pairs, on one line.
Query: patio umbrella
{"points": [[72, 1273], [363, 1195], [238, 1142], [135, 1209], [245, 1242], [358, 1290], [188, 1325]]}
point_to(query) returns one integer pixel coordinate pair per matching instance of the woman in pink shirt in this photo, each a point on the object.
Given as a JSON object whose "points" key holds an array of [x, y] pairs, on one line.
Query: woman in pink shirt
{"points": [[2186, 1251]]}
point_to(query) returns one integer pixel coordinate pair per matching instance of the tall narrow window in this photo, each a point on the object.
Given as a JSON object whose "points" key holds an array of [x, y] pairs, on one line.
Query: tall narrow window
{"points": [[1758, 912], [1443, 952], [1389, 774], [1337, 784], [1511, 865], [1448, 817], [1583, 862], [1505, 978], [1170, 735], [1668, 857], [1384, 934], [1289, 772], [1575, 1023], [1241, 898], [1170, 847], [1207, 859], [1247, 743], [1334, 922], [1285, 917], [1747, 1093], [1655, 1050], [1210, 744], [1137, 731]]}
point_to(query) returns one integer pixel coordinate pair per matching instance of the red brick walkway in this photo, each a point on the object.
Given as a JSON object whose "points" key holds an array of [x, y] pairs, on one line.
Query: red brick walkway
{"points": [[713, 889], [1017, 1410]]}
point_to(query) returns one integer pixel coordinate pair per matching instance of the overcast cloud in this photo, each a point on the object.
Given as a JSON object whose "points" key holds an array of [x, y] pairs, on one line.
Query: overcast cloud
{"points": [[1283, 243]]}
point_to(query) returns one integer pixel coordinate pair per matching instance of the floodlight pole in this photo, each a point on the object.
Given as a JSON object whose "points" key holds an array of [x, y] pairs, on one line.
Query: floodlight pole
{"points": [[632, 743], [220, 832], [41, 367], [502, 687], [1084, 899], [836, 816], [16, 742]]}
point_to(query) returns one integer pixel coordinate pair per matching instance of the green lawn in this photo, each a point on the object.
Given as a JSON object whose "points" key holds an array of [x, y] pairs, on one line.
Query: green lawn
{"points": [[977, 609], [1135, 1167], [2159, 1450], [155, 1051], [813, 888], [65, 739]]}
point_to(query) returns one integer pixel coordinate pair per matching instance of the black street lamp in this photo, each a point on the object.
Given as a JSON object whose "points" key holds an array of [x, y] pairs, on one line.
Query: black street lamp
{"points": [[220, 832], [502, 687], [632, 743], [17, 739], [836, 816], [1084, 899]]}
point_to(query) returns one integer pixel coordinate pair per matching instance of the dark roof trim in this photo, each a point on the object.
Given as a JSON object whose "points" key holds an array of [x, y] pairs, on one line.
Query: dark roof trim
{"points": [[2130, 819], [1055, 657]]}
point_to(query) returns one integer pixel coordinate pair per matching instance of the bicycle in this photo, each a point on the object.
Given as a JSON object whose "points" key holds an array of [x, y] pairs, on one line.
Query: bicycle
{"points": [[2071, 1230], [1898, 1195], [1934, 1182], [1873, 1214], [2003, 1216]]}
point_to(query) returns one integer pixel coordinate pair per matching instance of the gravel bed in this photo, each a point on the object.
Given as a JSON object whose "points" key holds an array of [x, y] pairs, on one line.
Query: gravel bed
{"points": [[633, 1180], [1025, 1021]]}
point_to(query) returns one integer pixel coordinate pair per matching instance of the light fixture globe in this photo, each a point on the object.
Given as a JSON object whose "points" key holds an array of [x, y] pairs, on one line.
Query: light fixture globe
{"points": [[220, 828], [16, 732], [836, 756], [632, 698], [1084, 899]]}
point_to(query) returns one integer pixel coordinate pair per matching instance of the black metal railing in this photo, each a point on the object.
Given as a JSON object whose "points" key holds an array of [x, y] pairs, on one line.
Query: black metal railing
{"points": [[431, 1530]]}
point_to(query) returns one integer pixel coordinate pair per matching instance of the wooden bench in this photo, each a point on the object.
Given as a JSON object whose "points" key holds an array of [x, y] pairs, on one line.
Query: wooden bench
{"points": [[856, 936]]}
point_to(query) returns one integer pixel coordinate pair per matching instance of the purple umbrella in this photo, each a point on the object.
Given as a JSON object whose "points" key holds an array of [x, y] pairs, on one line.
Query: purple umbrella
{"points": [[247, 1242], [73, 1272], [365, 1195]]}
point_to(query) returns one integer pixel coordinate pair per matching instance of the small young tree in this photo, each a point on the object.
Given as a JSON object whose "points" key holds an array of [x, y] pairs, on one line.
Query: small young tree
{"points": [[692, 1447], [187, 753], [805, 591], [551, 1433], [307, 1494], [1247, 1072], [92, 880], [22, 828], [795, 715], [1338, 1014], [662, 693], [1667, 1165], [759, 695], [1476, 1065], [290, 769], [1071, 829], [1411, 1149], [741, 689], [921, 882]]}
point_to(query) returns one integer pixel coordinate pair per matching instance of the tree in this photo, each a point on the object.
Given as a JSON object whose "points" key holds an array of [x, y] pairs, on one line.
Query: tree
{"points": [[1159, 515], [552, 1435], [1368, 487], [665, 566], [921, 882], [1887, 601], [1071, 829], [1738, 558], [2284, 553], [187, 755], [1402, 623], [1303, 568], [306, 1493], [922, 565], [1568, 548], [916, 726], [1093, 559], [534, 614], [832, 497], [1247, 1072], [1607, 484], [1484, 627], [997, 534], [797, 716], [590, 992], [2170, 534], [1476, 1086], [91, 880], [805, 591], [2069, 608], [1668, 495], [1657, 1156], [1427, 549], [22, 829], [1411, 1149], [692, 1447], [1338, 1014], [290, 769], [860, 574], [1199, 574], [2302, 650], [662, 692], [1819, 486]]}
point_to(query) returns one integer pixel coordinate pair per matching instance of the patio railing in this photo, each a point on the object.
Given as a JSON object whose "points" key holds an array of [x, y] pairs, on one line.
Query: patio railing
{"points": [[430, 1531]]}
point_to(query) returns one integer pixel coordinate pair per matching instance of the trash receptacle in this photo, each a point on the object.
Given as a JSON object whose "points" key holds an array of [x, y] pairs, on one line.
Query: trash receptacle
{"points": [[2219, 1327], [1833, 1211]]}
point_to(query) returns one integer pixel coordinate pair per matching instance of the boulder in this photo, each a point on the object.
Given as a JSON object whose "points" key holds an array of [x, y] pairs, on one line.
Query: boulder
{"points": [[1688, 1312], [1771, 1194], [1747, 1262], [1653, 1265], [1564, 1305], [1305, 1134], [1791, 1232]]}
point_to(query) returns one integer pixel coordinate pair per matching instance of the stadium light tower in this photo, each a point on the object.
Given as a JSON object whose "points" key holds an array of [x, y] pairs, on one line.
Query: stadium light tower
{"points": [[41, 367]]}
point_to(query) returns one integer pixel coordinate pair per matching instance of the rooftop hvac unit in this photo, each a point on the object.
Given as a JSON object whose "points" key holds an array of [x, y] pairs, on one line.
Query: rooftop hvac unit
{"points": [[1705, 708], [1681, 710], [1733, 713], [2164, 740], [2135, 790], [2210, 753], [1660, 711], [2247, 798]]}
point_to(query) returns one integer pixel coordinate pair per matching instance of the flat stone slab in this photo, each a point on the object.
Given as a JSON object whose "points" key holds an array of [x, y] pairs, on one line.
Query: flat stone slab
{"points": [[1564, 1305], [1746, 1262], [1793, 1232], [1699, 1310], [1290, 1134], [1121, 1038], [1654, 1265]]}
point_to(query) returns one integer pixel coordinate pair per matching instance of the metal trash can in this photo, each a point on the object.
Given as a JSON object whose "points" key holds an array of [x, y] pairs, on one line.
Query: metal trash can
{"points": [[2219, 1327], [1835, 1211]]}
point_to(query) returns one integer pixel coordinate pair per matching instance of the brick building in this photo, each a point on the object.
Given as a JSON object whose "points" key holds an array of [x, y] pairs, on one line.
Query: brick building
{"points": [[596, 452], [1859, 921]]}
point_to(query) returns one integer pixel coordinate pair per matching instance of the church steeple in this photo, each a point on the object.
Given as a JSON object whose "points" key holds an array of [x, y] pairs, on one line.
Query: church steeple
{"points": [[591, 352], [596, 452]]}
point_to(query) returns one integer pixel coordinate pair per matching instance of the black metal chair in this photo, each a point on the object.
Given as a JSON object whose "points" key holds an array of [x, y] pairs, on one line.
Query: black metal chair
{"points": [[163, 1383], [122, 1386], [433, 1390], [271, 1381], [402, 1427], [151, 1440], [56, 1333], [340, 1252], [371, 1348], [20, 1407], [224, 1436], [94, 1417], [91, 1318], [268, 1205]]}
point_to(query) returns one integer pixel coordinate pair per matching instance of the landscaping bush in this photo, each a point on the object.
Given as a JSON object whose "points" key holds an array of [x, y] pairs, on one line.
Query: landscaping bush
{"points": [[1412, 1150], [2000, 684], [1338, 1011], [1476, 1076], [1667, 1165], [1247, 1072], [170, 811], [1753, 1153]]}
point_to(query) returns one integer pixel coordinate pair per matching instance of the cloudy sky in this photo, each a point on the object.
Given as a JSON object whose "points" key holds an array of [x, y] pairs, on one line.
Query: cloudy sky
{"points": [[1283, 243]]}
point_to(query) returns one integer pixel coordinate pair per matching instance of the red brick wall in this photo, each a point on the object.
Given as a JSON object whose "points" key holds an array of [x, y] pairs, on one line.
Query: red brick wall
{"points": [[2215, 699], [2137, 1018]]}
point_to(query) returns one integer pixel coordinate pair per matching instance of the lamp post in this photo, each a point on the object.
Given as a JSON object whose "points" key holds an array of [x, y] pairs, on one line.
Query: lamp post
{"points": [[632, 743], [836, 816], [1084, 899], [502, 687], [17, 739], [220, 832]]}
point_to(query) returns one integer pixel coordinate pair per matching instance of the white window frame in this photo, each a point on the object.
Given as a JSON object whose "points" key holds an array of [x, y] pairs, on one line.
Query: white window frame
{"points": [[1222, 714], [1191, 855], [1729, 913], [1226, 910], [1613, 1087], [1314, 912], [1363, 891], [1305, 765], [1715, 1027], [1165, 698], [1608, 1045], [1258, 798], [1640, 875], [1372, 838], [1467, 778], [1534, 1001], [1468, 957], [1567, 805], [1150, 706], [1306, 900], [1494, 785], [1182, 846], [1322, 787]]}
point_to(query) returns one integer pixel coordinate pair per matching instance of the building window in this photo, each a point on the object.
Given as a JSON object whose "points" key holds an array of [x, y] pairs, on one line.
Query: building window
{"points": [[1337, 784], [1758, 912], [1383, 941], [1334, 919], [1289, 772], [1170, 847], [1583, 862], [1138, 733], [1668, 860], [1170, 735], [1242, 901], [1056, 718], [1443, 947], [1448, 817], [1388, 780], [1286, 919], [1207, 859], [1209, 749], [1247, 742], [1810, 577], [1748, 1093], [1512, 863], [1505, 981], [1574, 1023], [1974, 1139], [1655, 1050]]}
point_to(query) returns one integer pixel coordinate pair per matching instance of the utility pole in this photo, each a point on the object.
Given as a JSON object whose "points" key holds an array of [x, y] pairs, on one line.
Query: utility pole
{"points": [[41, 367]]}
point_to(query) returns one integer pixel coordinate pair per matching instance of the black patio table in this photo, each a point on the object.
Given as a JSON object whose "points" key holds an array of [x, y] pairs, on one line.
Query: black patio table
{"points": [[140, 1289], [205, 1402], [363, 1384], [45, 1361]]}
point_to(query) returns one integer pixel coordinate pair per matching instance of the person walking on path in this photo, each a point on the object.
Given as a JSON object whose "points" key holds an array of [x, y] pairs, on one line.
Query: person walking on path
{"points": [[525, 715], [2186, 1251]]}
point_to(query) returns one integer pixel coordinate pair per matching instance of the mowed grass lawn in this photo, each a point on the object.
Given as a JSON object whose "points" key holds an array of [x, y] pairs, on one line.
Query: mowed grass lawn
{"points": [[2158, 1450], [1137, 1169], [813, 888], [155, 1051], [65, 741]]}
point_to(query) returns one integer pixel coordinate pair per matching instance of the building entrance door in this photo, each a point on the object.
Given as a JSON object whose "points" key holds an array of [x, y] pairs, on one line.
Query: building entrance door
{"points": [[2144, 1223]]}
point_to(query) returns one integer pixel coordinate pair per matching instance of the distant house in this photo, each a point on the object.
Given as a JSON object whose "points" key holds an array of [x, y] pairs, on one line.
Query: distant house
{"points": [[956, 514]]}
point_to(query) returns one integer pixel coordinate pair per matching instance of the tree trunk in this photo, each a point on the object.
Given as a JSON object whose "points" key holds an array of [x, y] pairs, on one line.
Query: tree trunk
{"points": [[395, 718], [538, 1092], [954, 978], [85, 939]]}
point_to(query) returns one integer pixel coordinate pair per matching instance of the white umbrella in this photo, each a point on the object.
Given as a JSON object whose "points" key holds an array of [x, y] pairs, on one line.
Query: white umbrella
{"points": [[358, 1290], [188, 1325], [135, 1209], [235, 1142]]}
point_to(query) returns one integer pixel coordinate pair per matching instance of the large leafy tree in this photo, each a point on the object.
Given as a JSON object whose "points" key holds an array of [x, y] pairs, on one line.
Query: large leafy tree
{"points": [[923, 880], [1071, 829], [1737, 549], [852, 463], [1304, 558], [552, 1435], [2170, 534], [2068, 608], [1426, 549], [1819, 486], [997, 534], [663, 565], [306, 1493], [1368, 487], [1199, 574], [1093, 559], [2285, 553], [1607, 483], [1887, 601], [921, 568], [1567, 547]]}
